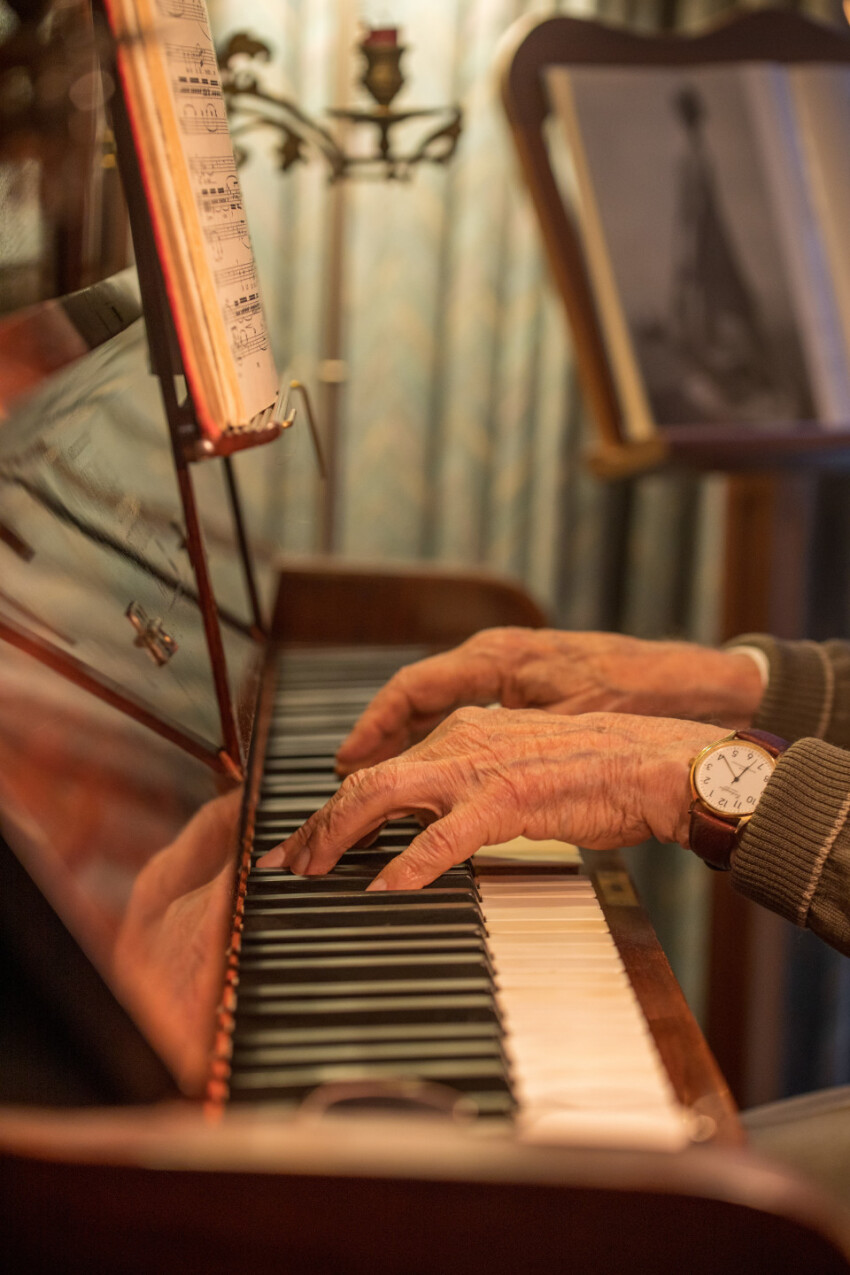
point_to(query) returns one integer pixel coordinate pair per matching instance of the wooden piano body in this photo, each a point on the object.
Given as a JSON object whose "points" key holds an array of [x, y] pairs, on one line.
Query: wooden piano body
{"points": [[120, 851]]}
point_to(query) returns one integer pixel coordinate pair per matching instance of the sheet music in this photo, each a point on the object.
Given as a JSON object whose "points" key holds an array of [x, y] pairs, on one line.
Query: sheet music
{"points": [[189, 59]]}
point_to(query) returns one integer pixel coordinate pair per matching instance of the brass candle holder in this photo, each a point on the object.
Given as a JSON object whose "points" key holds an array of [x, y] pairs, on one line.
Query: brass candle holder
{"points": [[252, 107]]}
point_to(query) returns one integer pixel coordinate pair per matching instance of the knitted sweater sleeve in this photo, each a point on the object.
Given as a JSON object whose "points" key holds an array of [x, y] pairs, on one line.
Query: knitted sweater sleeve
{"points": [[808, 693], [794, 856]]}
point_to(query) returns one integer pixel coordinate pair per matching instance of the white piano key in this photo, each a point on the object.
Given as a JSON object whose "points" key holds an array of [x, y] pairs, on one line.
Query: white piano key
{"points": [[541, 908], [538, 927], [577, 1042]]}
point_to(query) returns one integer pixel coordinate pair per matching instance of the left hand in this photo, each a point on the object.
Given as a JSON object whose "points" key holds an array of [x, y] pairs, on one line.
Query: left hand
{"points": [[485, 776]]}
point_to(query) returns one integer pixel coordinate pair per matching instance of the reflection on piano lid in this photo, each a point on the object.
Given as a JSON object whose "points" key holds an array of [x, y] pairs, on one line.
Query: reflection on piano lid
{"points": [[93, 525]]}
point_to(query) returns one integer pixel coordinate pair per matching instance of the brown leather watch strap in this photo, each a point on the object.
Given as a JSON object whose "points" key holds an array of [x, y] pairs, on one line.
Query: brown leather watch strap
{"points": [[770, 743], [711, 836]]}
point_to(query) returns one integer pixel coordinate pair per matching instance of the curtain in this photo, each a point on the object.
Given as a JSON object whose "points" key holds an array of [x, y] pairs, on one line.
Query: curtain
{"points": [[421, 313]]}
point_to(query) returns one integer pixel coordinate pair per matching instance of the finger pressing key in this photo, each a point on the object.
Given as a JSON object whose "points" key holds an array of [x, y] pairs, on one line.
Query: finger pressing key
{"points": [[439, 847], [363, 803]]}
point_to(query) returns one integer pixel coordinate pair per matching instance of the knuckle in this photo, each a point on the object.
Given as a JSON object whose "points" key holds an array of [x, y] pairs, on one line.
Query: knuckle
{"points": [[407, 680], [361, 784], [468, 715], [372, 787]]}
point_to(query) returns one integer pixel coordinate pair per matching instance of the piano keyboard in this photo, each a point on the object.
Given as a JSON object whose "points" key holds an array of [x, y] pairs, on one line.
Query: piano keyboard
{"points": [[500, 993]]}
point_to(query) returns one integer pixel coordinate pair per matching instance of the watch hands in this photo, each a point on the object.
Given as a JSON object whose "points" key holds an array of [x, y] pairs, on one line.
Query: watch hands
{"points": [[744, 771], [735, 777]]}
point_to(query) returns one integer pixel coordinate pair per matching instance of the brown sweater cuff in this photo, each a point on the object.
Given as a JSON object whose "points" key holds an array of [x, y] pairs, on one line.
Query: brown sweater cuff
{"points": [[800, 696], [794, 856]]}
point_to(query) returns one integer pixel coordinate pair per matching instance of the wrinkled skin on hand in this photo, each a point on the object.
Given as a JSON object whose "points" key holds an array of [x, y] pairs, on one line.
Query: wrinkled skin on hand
{"points": [[559, 672], [487, 775]]}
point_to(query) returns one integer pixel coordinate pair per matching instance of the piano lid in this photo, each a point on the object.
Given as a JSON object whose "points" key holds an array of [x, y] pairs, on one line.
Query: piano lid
{"points": [[95, 573], [130, 834]]}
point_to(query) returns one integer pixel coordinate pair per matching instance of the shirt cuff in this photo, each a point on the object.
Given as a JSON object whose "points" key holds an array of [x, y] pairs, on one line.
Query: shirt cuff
{"points": [[758, 657]]}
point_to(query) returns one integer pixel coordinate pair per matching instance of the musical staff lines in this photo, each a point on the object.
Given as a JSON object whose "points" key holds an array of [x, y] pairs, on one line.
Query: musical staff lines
{"points": [[246, 343], [209, 168], [230, 276], [208, 122], [218, 235], [192, 59], [188, 10]]}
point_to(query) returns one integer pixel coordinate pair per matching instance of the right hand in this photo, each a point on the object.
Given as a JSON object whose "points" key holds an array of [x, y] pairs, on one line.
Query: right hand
{"points": [[560, 672], [483, 777]]}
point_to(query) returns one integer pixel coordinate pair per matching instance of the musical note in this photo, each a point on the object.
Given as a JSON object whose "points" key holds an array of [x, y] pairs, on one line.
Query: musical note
{"points": [[244, 309], [186, 89], [217, 203], [220, 234], [193, 59]]}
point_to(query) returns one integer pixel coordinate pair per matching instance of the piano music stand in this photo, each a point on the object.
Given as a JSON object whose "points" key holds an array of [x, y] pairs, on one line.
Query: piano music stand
{"points": [[188, 447], [771, 470]]}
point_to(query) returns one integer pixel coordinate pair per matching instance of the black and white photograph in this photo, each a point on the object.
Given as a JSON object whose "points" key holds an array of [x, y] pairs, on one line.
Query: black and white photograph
{"points": [[675, 163]]}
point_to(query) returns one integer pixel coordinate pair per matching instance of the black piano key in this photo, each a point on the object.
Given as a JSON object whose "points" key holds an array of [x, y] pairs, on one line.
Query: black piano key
{"points": [[493, 1106], [369, 857], [288, 945], [293, 899], [295, 806], [254, 1058], [319, 744], [269, 989], [269, 824], [356, 873], [325, 969], [350, 1011], [303, 764], [260, 1034], [267, 928], [365, 858], [302, 722], [265, 880], [394, 913], [308, 783], [353, 698], [298, 1082], [287, 813]]}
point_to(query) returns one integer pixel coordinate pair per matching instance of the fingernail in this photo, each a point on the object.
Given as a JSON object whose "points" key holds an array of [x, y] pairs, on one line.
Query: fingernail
{"points": [[271, 859], [300, 863], [378, 884]]}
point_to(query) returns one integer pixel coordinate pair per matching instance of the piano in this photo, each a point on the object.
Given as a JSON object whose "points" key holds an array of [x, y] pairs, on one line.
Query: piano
{"points": [[205, 1066]]}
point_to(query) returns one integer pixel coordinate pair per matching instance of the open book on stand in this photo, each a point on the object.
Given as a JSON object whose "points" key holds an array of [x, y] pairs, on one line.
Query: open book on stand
{"points": [[171, 92]]}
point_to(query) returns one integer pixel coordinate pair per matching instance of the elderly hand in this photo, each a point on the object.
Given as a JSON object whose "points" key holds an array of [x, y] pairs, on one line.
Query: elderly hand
{"points": [[561, 673], [487, 775]]}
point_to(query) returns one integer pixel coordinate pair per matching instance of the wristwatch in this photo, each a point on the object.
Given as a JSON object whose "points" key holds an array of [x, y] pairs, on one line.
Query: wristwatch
{"points": [[727, 781]]}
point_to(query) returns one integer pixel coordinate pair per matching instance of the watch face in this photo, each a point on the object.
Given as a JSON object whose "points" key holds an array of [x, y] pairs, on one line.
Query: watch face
{"points": [[730, 778]]}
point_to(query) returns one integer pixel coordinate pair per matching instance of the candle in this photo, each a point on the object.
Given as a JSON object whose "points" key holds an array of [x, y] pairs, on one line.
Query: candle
{"points": [[381, 37]]}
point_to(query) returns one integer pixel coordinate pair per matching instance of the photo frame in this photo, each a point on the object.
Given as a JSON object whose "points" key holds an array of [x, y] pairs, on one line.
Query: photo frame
{"points": [[699, 207], [692, 193]]}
